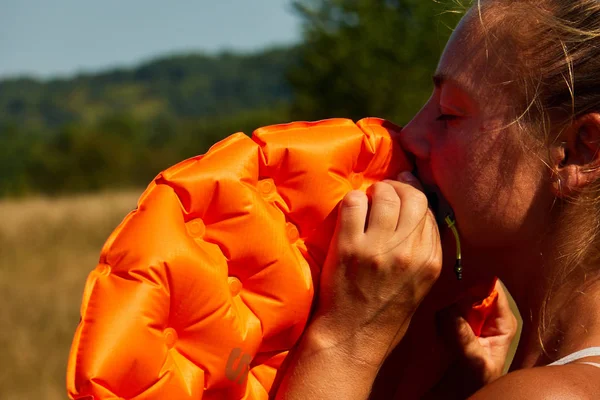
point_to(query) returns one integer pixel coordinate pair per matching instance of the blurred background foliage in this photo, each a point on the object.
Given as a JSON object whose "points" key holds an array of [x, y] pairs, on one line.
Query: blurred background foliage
{"points": [[121, 127]]}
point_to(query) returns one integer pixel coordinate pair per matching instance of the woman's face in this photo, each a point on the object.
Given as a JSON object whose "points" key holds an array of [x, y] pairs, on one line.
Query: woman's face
{"points": [[488, 173]]}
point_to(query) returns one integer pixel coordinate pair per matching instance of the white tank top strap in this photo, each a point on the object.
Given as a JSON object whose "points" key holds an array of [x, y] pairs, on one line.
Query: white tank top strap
{"points": [[578, 355], [593, 364]]}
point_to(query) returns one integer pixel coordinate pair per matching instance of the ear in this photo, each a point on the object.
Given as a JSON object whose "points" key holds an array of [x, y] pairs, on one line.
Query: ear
{"points": [[576, 162]]}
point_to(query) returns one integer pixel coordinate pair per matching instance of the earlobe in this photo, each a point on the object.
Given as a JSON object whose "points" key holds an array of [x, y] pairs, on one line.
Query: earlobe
{"points": [[565, 181], [558, 159], [576, 162]]}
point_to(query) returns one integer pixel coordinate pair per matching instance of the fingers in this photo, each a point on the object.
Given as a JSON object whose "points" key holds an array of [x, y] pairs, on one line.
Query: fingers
{"points": [[352, 216], [409, 192], [458, 333], [503, 305], [386, 203], [385, 209], [455, 328], [505, 320], [386, 214]]}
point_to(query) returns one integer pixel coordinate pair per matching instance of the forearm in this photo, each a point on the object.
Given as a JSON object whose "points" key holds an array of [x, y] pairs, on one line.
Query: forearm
{"points": [[320, 370]]}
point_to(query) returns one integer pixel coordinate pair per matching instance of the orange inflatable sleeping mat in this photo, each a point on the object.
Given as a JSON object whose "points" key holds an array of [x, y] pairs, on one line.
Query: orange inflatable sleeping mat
{"points": [[203, 289]]}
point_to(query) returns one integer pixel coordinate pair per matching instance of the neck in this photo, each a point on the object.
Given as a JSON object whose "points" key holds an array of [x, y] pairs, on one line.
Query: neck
{"points": [[558, 311], [527, 281], [554, 323]]}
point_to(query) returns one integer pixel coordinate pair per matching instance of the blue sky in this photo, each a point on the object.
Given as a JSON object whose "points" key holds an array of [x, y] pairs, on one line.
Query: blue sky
{"points": [[48, 38]]}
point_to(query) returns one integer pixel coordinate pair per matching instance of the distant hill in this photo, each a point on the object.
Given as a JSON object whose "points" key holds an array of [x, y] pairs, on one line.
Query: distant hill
{"points": [[182, 86], [121, 127]]}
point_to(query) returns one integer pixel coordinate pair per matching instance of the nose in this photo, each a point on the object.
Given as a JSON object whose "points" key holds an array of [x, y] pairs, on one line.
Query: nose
{"points": [[414, 137]]}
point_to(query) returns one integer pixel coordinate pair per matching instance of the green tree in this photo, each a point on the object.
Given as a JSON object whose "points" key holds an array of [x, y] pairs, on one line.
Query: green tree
{"points": [[367, 57]]}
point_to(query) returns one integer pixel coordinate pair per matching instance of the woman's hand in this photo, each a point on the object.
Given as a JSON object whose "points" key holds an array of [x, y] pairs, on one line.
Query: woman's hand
{"points": [[382, 261], [480, 359]]}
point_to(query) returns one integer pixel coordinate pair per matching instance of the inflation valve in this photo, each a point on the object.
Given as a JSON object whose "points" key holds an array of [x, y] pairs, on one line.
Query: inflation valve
{"points": [[458, 269]]}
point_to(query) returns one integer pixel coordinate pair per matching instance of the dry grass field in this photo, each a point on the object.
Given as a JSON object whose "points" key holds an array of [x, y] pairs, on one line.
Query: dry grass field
{"points": [[47, 248]]}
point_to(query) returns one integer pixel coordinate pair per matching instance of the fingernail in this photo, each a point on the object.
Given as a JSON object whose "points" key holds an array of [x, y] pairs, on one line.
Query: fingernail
{"points": [[406, 176]]}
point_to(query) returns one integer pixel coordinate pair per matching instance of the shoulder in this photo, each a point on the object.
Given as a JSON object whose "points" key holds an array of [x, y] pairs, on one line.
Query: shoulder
{"points": [[572, 381]]}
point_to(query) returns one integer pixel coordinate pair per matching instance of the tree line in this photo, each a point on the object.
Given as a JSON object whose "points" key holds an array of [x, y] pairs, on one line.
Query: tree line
{"points": [[121, 127]]}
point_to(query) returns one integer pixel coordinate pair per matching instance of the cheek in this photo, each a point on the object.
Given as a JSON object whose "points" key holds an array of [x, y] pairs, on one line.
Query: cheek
{"points": [[457, 160], [482, 180]]}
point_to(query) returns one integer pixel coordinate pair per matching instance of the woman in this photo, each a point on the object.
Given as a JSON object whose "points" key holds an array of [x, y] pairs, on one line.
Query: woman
{"points": [[510, 142]]}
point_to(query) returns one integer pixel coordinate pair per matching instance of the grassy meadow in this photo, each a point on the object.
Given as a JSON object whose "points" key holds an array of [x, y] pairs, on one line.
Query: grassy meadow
{"points": [[47, 248]]}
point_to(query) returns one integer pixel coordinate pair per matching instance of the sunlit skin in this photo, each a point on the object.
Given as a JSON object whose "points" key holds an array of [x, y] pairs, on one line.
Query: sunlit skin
{"points": [[501, 185], [465, 143]]}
